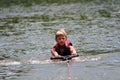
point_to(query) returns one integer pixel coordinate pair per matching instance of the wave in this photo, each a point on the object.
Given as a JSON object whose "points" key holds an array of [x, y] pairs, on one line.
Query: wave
{"points": [[8, 62]]}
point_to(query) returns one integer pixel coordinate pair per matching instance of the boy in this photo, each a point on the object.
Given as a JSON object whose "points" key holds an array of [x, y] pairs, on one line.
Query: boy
{"points": [[63, 47]]}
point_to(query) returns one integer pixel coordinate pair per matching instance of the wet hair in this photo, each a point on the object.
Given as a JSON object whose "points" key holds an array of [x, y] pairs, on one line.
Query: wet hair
{"points": [[60, 32]]}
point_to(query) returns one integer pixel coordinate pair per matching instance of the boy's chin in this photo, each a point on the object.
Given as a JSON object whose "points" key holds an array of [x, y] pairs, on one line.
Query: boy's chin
{"points": [[61, 44]]}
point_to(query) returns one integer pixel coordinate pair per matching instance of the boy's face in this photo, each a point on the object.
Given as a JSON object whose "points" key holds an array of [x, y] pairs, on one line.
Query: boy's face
{"points": [[61, 39]]}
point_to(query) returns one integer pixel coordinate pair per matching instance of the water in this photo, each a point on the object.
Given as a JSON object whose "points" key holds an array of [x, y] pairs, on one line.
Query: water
{"points": [[27, 35]]}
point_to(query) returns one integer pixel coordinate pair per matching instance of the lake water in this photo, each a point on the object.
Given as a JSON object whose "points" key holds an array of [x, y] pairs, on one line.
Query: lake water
{"points": [[27, 35]]}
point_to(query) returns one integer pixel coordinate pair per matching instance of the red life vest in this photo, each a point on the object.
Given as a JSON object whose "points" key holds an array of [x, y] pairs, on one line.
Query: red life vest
{"points": [[65, 50]]}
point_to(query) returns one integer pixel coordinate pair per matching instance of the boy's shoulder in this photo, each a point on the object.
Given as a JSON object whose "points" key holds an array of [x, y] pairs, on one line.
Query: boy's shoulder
{"points": [[67, 43], [55, 45]]}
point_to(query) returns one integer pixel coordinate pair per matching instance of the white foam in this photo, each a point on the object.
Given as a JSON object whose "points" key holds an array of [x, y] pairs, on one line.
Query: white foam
{"points": [[6, 63], [38, 62]]}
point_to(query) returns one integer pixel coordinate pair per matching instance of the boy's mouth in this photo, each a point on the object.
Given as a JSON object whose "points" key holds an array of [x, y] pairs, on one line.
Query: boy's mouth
{"points": [[61, 43]]}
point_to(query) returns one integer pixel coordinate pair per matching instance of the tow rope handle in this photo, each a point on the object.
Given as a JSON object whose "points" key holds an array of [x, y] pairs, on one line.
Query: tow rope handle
{"points": [[68, 57]]}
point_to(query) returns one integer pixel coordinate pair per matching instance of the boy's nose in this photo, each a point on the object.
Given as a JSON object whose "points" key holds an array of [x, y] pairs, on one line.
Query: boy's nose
{"points": [[61, 40]]}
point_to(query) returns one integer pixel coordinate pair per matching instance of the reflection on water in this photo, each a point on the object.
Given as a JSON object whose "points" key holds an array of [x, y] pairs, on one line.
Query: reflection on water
{"points": [[27, 35]]}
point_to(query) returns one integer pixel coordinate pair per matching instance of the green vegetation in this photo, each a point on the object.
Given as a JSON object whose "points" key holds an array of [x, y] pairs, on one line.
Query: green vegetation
{"points": [[27, 3]]}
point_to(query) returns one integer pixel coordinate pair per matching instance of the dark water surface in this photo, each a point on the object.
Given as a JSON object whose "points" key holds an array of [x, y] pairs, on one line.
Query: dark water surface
{"points": [[27, 35]]}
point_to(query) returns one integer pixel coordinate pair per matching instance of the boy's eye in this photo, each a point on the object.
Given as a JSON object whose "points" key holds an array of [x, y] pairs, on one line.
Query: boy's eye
{"points": [[63, 38]]}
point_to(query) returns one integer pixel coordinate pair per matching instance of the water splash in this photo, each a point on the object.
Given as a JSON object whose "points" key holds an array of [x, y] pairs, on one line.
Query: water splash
{"points": [[33, 61]]}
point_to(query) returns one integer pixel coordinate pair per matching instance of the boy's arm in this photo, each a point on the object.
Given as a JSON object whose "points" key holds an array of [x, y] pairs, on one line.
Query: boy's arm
{"points": [[73, 51], [54, 53]]}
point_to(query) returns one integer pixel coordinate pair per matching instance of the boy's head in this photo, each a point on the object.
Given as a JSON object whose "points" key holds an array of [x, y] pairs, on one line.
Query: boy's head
{"points": [[60, 32], [61, 36]]}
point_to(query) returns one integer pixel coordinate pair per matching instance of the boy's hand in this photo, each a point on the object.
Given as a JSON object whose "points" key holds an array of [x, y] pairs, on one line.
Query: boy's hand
{"points": [[57, 56]]}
